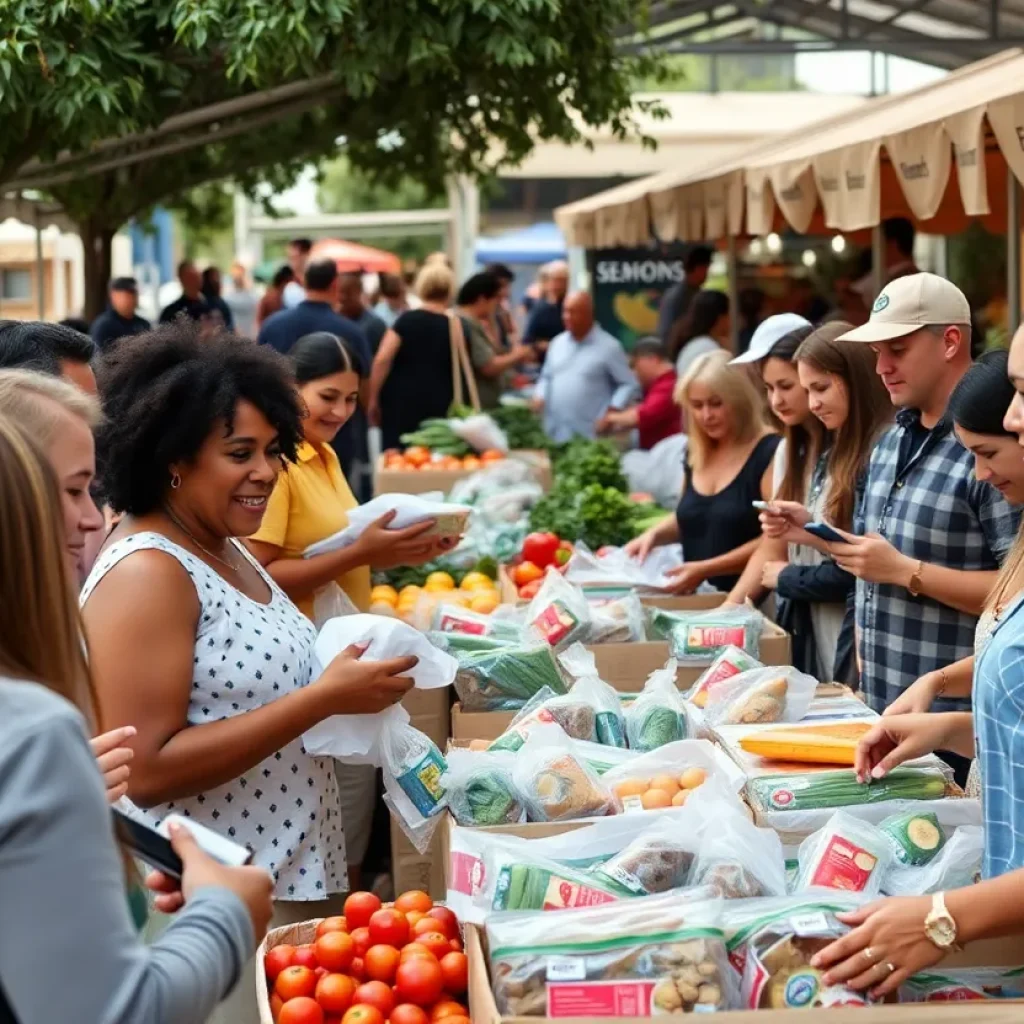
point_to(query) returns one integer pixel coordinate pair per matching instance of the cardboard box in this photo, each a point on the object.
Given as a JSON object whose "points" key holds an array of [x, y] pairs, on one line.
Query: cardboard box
{"points": [[417, 481]]}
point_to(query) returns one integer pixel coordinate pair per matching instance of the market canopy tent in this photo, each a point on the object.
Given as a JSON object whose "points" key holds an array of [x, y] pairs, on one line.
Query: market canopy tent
{"points": [[352, 256], [538, 243]]}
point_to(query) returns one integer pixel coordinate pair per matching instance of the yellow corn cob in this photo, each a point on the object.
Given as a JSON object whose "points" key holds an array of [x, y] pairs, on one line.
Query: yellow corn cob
{"points": [[820, 745]]}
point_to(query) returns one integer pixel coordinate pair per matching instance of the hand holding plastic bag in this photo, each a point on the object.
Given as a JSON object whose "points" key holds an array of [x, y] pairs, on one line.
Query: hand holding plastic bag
{"points": [[616, 568]]}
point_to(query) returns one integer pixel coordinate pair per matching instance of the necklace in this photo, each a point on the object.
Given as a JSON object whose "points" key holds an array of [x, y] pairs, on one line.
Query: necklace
{"points": [[191, 536]]}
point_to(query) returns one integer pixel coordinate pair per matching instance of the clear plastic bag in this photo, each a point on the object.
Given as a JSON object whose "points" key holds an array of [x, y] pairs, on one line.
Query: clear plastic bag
{"points": [[761, 696], [480, 432], [738, 860], [730, 662], [956, 866], [614, 568], [848, 854], [555, 783], [698, 637], [331, 602], [953, 985], [560, 613], [658, 860], [916, 837], [610, 726], [617, 620], [453, 618], [662, 955], [659, 714], [480, 788], [574, 716]]}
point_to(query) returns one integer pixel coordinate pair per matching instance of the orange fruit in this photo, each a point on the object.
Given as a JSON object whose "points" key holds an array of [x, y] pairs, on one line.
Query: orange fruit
{"points": [[655, 799], [631, 787], [692, 778], [665, 782]]}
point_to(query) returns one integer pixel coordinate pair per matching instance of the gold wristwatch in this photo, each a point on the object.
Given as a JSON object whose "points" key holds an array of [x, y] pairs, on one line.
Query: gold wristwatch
{"points": [[939, 926], [914, 586]]}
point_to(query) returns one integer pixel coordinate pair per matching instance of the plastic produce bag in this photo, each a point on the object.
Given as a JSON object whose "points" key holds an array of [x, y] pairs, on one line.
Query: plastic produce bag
{"points": [[953, 985], [956, 866], [659, 715], [763, 695], [659, 859], [659, 471], [480, 432], [491, 480], [555, 783], [698, 637], [409, 510], [574, 716], [453, 618], [614, 568], [480, 788], [617, 620], [656, 954], [738, 860], [331, 602], [916, 837], [610, 726], [848, 854], [356, 738], [730, 662], [560, 613]]}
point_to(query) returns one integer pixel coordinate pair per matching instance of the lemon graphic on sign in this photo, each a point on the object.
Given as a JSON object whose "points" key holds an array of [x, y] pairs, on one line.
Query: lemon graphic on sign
{"points": [[634, 309]]}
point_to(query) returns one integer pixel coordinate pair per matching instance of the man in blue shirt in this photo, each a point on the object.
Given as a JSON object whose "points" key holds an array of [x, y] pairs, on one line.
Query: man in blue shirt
{"points": [[119, 319], [586, 373]]}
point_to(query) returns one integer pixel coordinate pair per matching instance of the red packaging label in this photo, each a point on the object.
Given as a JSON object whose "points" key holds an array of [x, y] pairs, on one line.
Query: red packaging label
{"points": [[714, 636], [725, 670], [555, 622], [600, 999], [466, 873], [954, 995], [453, 624], [561, 895], [844, 865]]}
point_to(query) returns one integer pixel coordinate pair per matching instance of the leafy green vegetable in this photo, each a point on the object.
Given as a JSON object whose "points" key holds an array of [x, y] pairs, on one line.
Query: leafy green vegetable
{"points": [[582, 462], [522, 426], [594, 514]]}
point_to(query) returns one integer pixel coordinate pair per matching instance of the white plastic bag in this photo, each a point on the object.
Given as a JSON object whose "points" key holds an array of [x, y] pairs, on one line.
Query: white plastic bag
{"points": [[331, 602], [617, 620], [847, 854], [560, 613], [356, 738], [610, 726], [738, 860], [614, 568], [480, 788], [698, 637], [957, 865], [731, 662], [409, 510], [761, 696], [480, 432], [659, 715], [659, 471]]}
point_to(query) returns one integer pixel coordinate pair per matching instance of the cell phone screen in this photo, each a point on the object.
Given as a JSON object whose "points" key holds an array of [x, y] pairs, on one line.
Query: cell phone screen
{"points": [[146, 844]]}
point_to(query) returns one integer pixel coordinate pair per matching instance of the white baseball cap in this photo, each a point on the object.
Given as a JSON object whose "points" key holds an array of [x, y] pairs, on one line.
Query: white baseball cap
{"points": [[910, 303], [768, 334]]}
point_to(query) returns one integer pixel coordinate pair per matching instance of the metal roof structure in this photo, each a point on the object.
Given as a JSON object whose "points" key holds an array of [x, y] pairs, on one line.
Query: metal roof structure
{"points": [[945, 33]]}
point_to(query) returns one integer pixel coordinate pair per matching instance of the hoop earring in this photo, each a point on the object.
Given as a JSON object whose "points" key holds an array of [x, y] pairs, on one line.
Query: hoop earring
{"points": [[175, 481]]}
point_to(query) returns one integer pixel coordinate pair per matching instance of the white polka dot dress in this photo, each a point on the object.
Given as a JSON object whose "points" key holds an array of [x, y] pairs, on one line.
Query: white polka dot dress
{"points": [[247, 654]]}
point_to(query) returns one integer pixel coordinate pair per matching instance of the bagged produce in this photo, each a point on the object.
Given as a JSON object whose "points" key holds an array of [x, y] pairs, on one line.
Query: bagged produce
{"points": [[617, 620], [556, 784], [737, 860], [656, 955], [559, 614], [730, 662], [453, 618], [957, 865], [698, 637], [574, 716], [521, 879], [848, 854], [591, 688], [657, 860], [658, 715], [834, 743], [915, 837], [480, 432], [771, 694], [480, 788], [953, 985]]}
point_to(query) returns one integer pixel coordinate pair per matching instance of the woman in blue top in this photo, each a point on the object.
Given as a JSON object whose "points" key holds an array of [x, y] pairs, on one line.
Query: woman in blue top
{"points": [[896, 938]]}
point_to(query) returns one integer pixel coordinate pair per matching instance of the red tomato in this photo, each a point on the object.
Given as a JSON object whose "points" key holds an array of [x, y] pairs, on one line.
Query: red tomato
{"points": [[361, 939], [409, 1014], [447, 1008], [447, 920], [540, 549], [335, 950], [331, 924], [455, 969], [425, 926], [457, 1019], [302, 1010], [305, 956], [276, 1002], [360, 907], [416, 949], [334, 992], [293, 982], [526, 572], [377, 994], [357, 970], [529, 591], [413, 900], [419, 981], [276, 960], [390, 928], [435, 942], [456, 946], [381, 963], [363, 1014]]}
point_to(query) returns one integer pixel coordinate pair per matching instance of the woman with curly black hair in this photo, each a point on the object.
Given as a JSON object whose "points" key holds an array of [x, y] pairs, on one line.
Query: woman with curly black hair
{"points": [[191, 641]]}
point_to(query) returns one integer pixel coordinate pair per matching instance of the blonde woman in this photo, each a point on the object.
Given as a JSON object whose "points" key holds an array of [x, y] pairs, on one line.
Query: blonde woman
{"points": [[728, 467], [56, 840]]}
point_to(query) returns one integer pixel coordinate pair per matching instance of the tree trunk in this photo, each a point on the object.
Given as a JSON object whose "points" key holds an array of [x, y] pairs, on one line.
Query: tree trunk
{"points": [[97, 241]]}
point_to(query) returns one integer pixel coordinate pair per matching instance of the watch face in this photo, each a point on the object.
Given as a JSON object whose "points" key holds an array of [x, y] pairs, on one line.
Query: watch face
{"points": [[942, 931]]}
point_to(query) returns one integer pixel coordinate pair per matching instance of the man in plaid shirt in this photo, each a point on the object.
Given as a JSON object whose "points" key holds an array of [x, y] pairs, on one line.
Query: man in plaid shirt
{"points": [[930, 536]]}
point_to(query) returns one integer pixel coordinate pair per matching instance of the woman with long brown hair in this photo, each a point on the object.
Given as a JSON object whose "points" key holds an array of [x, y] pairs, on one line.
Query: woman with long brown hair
{"points": [[56, 838]]}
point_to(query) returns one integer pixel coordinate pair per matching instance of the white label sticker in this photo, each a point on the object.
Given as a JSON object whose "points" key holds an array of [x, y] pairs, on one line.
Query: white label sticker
{"points": [[632, 804], [806, 925], [566, 968]]}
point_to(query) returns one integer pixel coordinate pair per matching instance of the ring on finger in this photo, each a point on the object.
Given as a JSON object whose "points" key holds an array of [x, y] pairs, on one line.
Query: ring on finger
{"points": [[868, 955], [890, 968]]}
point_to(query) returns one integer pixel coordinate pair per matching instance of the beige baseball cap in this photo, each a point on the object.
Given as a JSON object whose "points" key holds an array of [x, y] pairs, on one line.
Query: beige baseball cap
{"points": [[910, 303]]}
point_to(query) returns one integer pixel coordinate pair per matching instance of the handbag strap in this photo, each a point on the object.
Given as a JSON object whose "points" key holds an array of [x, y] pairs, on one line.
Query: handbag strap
{"points": [[462, 368]]}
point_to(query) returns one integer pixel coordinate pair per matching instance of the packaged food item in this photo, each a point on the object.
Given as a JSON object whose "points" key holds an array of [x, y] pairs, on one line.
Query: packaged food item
{"points": [[554, 783], [658, 716], [617, 620], [559, 614], [809, 744], [657, 860], [771, 694], [480, 788], [957, 865], [525, 880], [700, 636], [954, 985], [574, 716], [730, 662], [737, 860], [848, 854], [777, 971], [649, 957], [589, 687], [915, 837], [453, 618], [814, 790]]}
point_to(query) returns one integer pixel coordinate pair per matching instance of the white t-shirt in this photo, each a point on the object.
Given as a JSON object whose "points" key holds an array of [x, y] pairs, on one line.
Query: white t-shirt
{"points": [[293, 294]]}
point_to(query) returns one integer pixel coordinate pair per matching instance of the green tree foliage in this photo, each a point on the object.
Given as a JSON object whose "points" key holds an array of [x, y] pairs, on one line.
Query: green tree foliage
{"points": [[347, 189]]}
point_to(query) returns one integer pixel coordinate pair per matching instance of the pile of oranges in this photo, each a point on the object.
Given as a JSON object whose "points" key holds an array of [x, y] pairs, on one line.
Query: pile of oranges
{"points": [[417, 457], [662, 790], [477, 592]]}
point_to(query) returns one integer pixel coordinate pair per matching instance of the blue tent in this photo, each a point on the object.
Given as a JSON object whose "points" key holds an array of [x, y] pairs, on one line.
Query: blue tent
{"points": [[538, 243]]}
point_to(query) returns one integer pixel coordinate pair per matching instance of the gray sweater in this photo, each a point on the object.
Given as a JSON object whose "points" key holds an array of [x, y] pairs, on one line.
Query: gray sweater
{"points": [[68, 949]]}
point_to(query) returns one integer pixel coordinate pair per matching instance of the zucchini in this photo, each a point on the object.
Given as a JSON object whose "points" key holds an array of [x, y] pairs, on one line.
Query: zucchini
{"points": [[915, 838], [817, 790]]}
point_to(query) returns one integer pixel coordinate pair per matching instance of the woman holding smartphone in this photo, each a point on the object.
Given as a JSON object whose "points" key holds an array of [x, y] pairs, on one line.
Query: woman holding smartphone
{"points": [[56, 838]]}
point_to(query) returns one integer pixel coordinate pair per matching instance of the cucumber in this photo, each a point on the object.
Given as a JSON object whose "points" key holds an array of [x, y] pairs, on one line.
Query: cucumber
{"points": [[915, 838], [816, 790]]}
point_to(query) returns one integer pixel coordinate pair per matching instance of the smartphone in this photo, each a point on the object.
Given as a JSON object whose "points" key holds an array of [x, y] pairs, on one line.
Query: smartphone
{"points": [[825, 532], [764, 506]]}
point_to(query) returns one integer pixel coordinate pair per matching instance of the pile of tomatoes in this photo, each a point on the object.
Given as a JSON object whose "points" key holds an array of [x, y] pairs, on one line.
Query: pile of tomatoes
{"points": [[400, 963], [418, 457], [540, 552]]}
